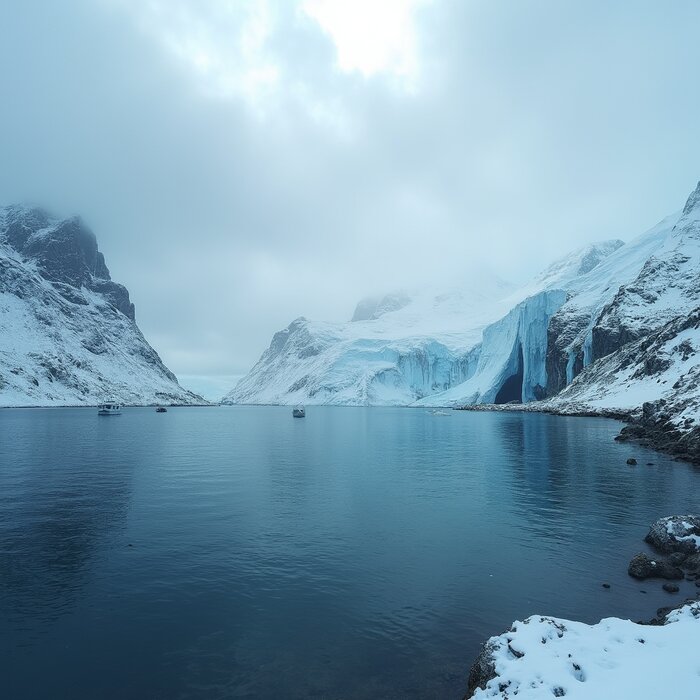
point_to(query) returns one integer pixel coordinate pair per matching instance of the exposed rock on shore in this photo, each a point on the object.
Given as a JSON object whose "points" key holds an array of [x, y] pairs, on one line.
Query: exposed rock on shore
{"points": [[676, 533], [542, 657]]}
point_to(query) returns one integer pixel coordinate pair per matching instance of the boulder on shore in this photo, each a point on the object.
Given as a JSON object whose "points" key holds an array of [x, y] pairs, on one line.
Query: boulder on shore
{"points": [[676, 533]]}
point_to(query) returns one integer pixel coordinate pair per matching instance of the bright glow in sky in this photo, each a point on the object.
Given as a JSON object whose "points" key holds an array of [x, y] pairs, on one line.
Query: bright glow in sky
{"points": [[371, 37]]}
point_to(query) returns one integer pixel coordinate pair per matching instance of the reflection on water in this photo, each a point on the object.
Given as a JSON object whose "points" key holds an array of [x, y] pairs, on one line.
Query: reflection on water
{"points": [[360, 553]]}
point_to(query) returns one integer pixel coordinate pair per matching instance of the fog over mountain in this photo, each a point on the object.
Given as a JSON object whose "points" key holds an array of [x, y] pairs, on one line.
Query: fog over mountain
{"points": [[249, 163]]}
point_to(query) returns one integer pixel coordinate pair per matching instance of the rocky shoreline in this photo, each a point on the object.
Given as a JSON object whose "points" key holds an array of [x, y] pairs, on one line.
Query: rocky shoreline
{"points": [[654, 426], [541, 656]]}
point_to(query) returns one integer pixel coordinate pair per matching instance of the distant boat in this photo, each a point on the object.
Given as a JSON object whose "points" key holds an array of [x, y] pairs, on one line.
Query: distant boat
{"points": [[110, 408], [299, 412], [161, 409]]}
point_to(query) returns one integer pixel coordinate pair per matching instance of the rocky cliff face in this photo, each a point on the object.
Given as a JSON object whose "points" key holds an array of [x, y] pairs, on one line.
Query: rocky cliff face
{"points": [[67, 331], [639, 288], [64, 252], [655, 381]]}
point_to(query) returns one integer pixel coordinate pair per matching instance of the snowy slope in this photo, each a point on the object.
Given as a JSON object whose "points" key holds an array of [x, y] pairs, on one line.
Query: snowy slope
{"points": [[403, 347], [636, 289], [392, 357], [654, 381], [486, 343], [67, 331], [546, 657], [665, 364]]}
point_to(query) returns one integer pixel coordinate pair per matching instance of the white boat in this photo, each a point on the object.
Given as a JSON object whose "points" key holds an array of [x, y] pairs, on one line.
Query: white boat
{"points": [[110, 408], [299, 412]]}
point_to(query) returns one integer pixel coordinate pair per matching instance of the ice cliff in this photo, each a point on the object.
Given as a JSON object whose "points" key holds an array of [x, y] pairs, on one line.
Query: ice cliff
{"points": [[489, 343], [429, 346], [68, 334]]}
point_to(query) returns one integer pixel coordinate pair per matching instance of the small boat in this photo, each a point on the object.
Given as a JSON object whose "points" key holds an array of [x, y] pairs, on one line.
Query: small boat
{"points": [[299, 412], [109, 408], [161, 409]]}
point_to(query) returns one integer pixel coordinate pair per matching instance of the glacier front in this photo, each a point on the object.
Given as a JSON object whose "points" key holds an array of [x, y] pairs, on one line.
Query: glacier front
{"points": [[425, 346]]}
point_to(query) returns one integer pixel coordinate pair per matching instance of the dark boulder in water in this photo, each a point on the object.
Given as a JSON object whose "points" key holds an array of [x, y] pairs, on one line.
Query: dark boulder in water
{"points": [[643, 567]]}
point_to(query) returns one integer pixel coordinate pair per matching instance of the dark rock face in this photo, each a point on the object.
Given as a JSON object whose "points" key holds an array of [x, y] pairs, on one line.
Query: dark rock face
{"points": [[623, 320], [677, 558], [671, 587], [65, 253], [562, 330], [643, 567], [482, 671]]}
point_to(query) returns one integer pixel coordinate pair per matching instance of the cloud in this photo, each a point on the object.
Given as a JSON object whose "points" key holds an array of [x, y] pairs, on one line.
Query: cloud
{"points": [[372, 37], [245, 163]]}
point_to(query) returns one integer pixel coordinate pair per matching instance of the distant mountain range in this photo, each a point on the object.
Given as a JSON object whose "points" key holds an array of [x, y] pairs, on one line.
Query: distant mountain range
{"points": [[605, 329], [68, 334], [613, 328]]}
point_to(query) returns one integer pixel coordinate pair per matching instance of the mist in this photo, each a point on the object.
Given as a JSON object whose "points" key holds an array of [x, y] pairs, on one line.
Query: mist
{"points": [[243, 164]]}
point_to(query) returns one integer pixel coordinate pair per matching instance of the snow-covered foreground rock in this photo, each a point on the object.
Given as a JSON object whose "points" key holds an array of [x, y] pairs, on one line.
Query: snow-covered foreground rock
{"points": [[67, 331], [544, 657]]}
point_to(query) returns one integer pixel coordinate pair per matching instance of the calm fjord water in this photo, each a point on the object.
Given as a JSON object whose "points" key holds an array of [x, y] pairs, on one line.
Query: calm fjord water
{"points": [[358, 553]]}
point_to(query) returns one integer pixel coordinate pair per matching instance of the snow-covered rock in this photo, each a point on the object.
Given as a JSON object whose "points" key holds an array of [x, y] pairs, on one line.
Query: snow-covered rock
{"points": [[546, 657], [67, 331], [676, 533]]}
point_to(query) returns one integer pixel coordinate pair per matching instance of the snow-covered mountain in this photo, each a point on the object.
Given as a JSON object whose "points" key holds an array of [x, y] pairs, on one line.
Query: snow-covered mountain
{"points": [[546, 341], [407, 347], [489, 343], [392, 353], [67, 331]]}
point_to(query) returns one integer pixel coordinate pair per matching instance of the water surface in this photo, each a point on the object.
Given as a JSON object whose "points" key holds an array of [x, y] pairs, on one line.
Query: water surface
{"points": [[357, 553]]}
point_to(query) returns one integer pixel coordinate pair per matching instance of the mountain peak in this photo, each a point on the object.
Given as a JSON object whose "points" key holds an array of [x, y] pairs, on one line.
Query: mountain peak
{"points": [[693, 202], [577, 263], [371, 308], [64, 250]]}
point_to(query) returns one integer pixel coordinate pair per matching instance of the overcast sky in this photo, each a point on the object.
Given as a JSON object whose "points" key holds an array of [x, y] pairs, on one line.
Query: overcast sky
{"points": [[245, 162]]}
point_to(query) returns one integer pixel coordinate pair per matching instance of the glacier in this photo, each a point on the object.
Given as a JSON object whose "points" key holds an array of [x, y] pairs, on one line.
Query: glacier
{"points": [[489, 342], [68, 334], [418, 347]]}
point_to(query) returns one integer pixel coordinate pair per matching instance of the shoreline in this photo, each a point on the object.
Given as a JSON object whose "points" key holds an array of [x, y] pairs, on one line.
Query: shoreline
{"points": [[648, 427], [607, 653]]}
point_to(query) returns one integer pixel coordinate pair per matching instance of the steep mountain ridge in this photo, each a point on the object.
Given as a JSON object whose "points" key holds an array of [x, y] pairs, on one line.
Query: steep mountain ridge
{"points": [[67, 331]]}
